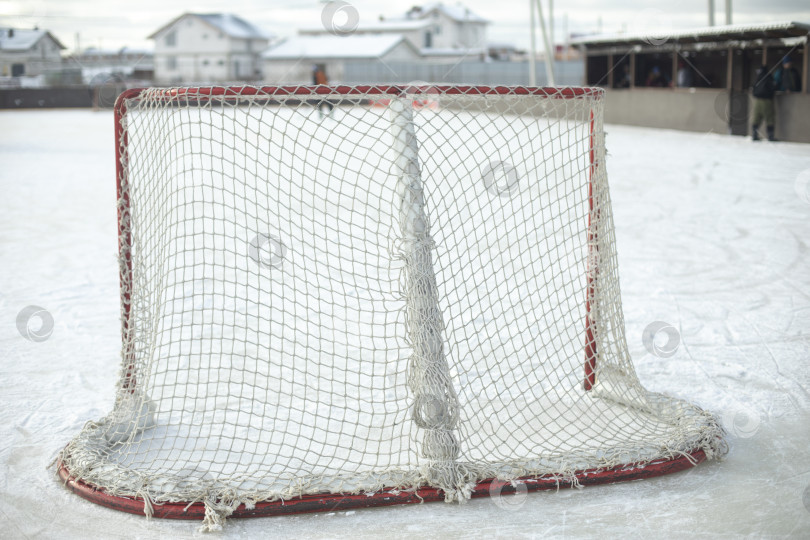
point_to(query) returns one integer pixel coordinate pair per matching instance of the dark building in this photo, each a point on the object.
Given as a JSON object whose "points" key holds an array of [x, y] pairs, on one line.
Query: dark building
{"points": [[700, 80]]}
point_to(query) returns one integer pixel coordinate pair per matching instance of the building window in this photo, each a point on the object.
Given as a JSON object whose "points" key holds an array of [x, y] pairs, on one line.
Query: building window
{"points": [[170, 39], [437, 30], [205, 36], [597, 71], [653, 70], [205, 62], [428, 40], [171, 63], [221, 62], [17, 70]]}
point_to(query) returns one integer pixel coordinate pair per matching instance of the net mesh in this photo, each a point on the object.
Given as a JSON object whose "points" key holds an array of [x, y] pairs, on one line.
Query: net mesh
{"points": [[364, 289]]}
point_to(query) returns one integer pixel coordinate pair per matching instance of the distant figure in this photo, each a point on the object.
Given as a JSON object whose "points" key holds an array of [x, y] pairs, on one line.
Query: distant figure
{"points": [[685, 77], [787, 77], [319, 77], [763, 91], [624, 79], [656, 78]]}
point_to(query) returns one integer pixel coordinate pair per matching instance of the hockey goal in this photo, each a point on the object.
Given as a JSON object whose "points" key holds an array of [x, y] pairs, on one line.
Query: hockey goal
{"points": [[371, 303]]}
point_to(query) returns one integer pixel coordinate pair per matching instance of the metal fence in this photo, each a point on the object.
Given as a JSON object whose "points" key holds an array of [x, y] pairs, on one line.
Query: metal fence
{"points": [[473, 72]]}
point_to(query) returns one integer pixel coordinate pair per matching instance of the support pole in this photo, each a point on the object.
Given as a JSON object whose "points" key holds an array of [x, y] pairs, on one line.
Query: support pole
{"points": [[566, 51], [547, 45], [533, 54], [632, 70], [806, 68]]}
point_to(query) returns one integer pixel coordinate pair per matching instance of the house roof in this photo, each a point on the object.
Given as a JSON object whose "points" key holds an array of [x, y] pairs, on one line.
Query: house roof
{"points": [[94, 51], [349, 47], [470, 53], [15, 39], [416, 19], [456, 12], [393, 25], [227, 23], [737, 32]]}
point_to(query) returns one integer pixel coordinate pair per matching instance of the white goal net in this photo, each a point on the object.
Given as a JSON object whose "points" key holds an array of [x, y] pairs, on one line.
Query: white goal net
{"points": [[366, 290]]}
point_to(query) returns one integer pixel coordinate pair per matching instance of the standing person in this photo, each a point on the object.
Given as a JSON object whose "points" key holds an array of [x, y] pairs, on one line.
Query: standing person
{"points": [[763, 91], [656, 78], [624, 80], [788, 77], [685, 77], [319, 77]]}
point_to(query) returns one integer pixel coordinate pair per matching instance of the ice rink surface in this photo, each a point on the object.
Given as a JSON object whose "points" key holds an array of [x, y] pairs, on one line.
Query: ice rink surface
{"points": [[712, 236]]}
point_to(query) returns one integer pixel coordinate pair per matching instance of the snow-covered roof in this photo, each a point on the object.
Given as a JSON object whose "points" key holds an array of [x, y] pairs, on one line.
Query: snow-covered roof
{"points": [[233, 26], [227, 23], [709, 33], [415, 19], [15, 39], [393, 25], [351, 47], [472, 53], [123, 51], [456, 12]]}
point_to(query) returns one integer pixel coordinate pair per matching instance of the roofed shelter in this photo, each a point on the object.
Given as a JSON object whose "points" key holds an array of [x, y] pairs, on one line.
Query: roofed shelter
{"points": [[700, 80]]}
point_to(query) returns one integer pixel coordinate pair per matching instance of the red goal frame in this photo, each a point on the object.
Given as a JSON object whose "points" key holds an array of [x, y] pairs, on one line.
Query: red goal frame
{"points": [[330, 502], [333, 502]]}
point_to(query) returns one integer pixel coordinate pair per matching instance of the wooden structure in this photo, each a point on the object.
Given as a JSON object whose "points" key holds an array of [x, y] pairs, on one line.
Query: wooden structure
{"points": [[716, 67]]}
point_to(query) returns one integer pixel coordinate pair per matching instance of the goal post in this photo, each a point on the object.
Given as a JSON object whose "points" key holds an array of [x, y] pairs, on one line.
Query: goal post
{"points": [[392, 304]]}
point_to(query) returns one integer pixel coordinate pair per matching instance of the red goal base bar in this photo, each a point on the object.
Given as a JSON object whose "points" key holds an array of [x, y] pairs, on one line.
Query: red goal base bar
{"points": [[331, 502]]}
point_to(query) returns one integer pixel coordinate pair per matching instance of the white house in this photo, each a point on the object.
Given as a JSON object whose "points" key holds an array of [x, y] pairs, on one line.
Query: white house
{"points": [[28, 53], [213, 47], [437, 30], [292, 61]]}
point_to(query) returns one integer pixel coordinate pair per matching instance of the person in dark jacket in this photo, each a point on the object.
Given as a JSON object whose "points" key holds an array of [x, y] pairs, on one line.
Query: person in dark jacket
{"points": [[656, 78], [763, 91], [787, 78], [319, 77]]}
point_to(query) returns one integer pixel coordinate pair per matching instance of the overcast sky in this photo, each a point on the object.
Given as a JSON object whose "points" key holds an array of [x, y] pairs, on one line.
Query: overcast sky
{"points": [[114, 24]]}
